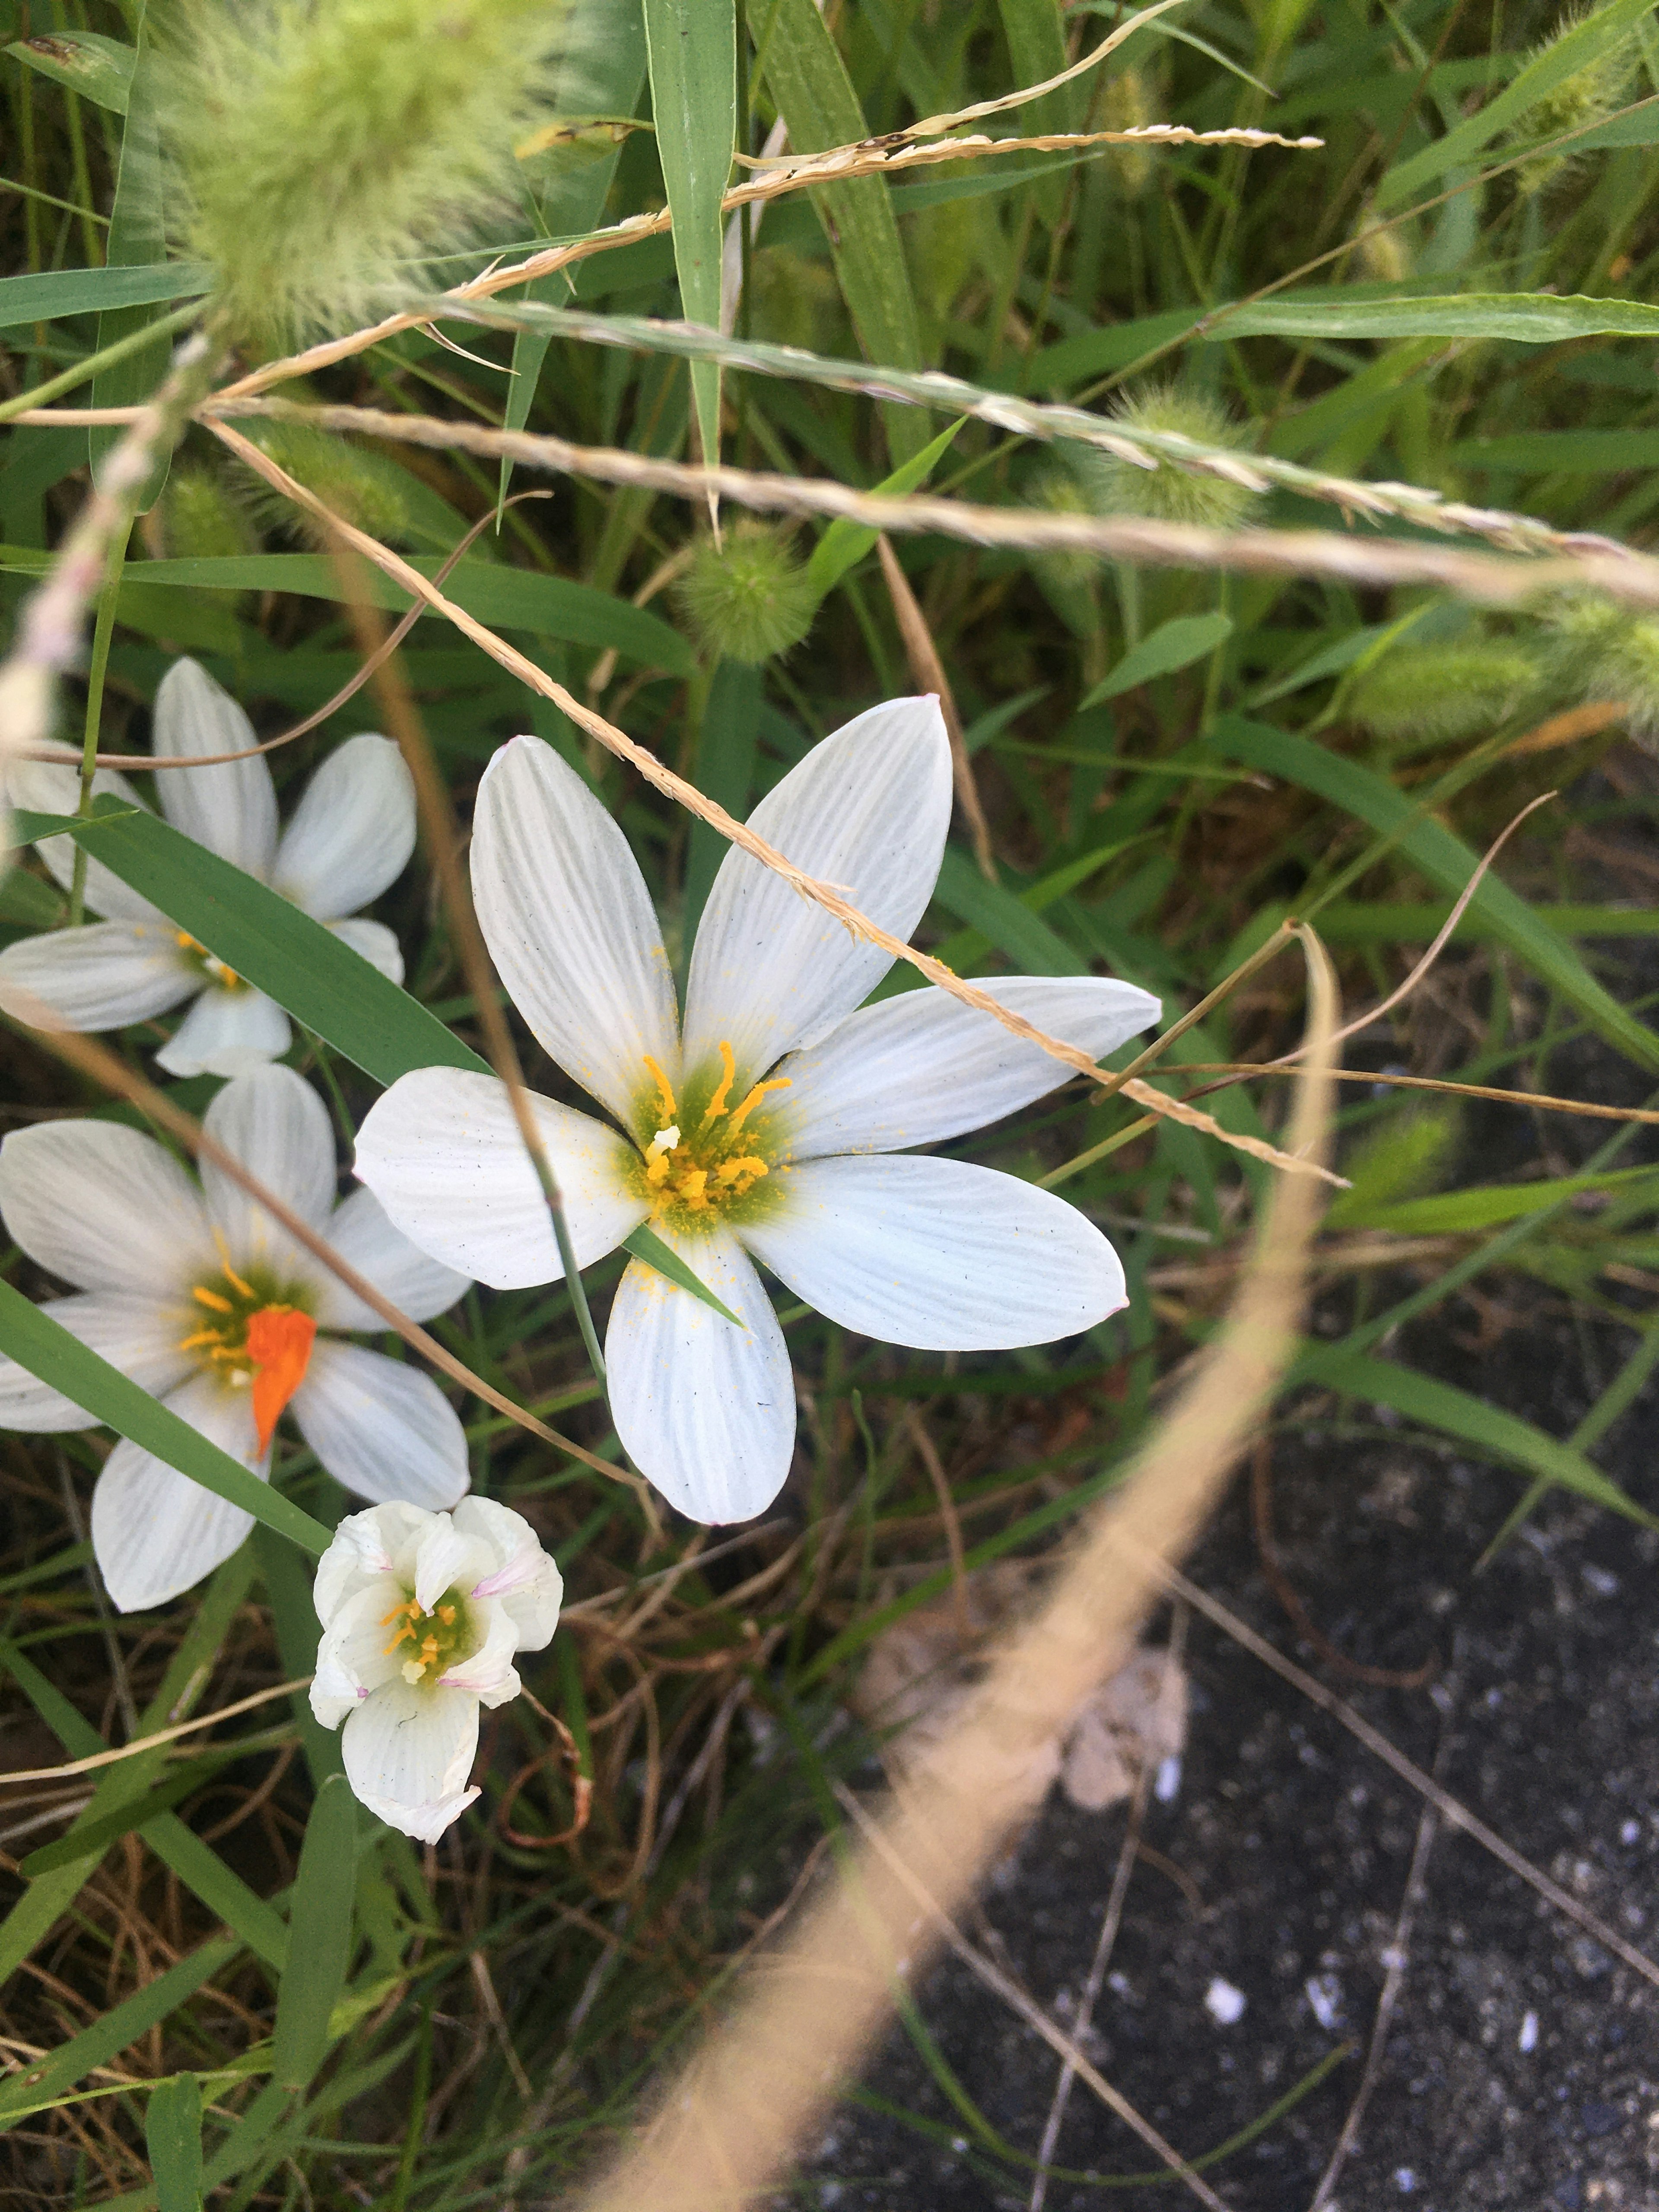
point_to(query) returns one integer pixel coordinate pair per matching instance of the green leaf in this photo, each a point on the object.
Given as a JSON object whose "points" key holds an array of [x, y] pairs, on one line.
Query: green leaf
{"points": [[807, 78], [320, 1946], [1501, 1436], [46, 1347], [123, 1820], [645, 1244], [99, 69], [109, 2036], [59, 292], [172, 2135], [998, 914], [333, 991], [1446, 860], [693, 50], [1597, 34], [137, 239], [1463, 1212], [1036, 32], [845, 544], [1578, 452], [1172, 645], [1397, 921]]}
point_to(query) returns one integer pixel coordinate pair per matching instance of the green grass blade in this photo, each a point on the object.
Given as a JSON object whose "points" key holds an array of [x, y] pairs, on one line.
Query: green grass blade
{"points": [[1464, 1213], [845, 544], [46, 1347], [136, 238], [107, 2038], [1036, 32], [99, 68], [693, 49], [1446, 860], [645, 1244], [1173, 645], [58, 292], [172, 2135], [320, 1950]]}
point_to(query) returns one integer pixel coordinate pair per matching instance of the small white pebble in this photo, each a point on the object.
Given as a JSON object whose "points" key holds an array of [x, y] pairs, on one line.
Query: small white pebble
{"points": [[1405, 2180], [1224, 2004], [1168, 1780], [1631, 1832], [1324, 1994], [1118, 1985], [1600, 1580], [1528, 2039]]}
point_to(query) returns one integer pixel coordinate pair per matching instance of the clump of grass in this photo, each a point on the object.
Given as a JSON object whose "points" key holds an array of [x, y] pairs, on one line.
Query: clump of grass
{"points": [[326, 154]]}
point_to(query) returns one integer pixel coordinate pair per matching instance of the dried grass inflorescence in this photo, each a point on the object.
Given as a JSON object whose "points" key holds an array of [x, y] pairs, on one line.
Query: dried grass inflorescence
{"points": [[327, 156]]}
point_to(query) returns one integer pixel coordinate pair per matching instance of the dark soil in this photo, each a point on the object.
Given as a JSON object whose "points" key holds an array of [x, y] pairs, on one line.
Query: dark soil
{"points": [[1522, 2068]]}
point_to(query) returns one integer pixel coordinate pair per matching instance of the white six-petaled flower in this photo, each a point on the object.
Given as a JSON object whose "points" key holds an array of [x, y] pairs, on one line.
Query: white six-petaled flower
{"points": [[201, 1298], [351, 835], [422, 1614], [769, 1125]]}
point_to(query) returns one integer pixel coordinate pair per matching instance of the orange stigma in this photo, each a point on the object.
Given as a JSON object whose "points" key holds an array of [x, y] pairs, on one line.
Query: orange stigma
{"points": [[279, 1340]]}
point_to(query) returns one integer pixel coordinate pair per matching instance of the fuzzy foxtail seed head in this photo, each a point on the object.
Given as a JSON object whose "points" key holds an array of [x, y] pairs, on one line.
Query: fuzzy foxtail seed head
{"points": [[1419, 697], [327, 151], [1169, 494], [748, 598]]}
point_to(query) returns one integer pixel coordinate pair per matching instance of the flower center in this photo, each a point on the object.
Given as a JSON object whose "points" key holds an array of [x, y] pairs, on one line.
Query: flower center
{"points": [[704, 1162], [252, 1335], [428, 1641], [208, 964]]}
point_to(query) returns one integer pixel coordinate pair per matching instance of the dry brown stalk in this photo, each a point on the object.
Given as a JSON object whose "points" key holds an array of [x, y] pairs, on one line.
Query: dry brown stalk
{"points": [[729, 2122], [149, 1742], [656, 773], [927, 672]]}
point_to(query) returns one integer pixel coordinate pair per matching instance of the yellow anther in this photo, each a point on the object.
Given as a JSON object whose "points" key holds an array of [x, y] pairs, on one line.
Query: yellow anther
{"points": [[212, 1301], [716, 1105], [665, 1089], [656, 1170], [186, 943], [195, 1343], [428, 1649], [412, 1671], [691, 1185], [776, 1083], [446, 1614], [729, 1171]]}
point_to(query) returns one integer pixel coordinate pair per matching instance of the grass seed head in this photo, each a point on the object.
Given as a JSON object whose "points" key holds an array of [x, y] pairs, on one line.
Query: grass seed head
{"points": [[200, 518], [360, 487], [1169, 494], [326, 154], [1588, 96], [1422, 695], [748, 598]]}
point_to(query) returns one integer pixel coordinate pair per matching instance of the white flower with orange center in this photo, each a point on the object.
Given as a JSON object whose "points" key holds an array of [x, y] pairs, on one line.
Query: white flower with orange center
{"points": [[198, 1295], [350, 838], [767, 1127], [422, 1616]]}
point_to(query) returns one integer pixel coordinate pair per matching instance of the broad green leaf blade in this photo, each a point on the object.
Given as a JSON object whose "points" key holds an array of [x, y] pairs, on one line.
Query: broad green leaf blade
{"points": [[693, 49], [46, 1347], [172, 2135], [99, 68], [1173, 645], [1444, 858], [1465, 1212], [998, 915], [109, 2036], [1598, 33], [645, 1244], [506, 598], [136, 238], [1501, 1436], [1578, 452], [319, 1949], [845, 544], [1036, 32], [333, 991], [807, 78]]}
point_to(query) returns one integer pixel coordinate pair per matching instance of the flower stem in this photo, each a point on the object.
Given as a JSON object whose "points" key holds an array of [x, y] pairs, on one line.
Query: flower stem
{"points": [[102, 628]]}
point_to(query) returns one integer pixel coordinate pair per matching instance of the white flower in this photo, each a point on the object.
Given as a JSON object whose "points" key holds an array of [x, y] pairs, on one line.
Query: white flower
{"points": [[351, 835], [423, 1613], [199, 1296], [762, 1128]]}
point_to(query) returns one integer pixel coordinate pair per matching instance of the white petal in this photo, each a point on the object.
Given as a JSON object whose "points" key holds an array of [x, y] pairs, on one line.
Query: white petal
{"points": [[352, 832], [276, 1124], [360, 1233], [49, 787], [705, 1411], [571, 928], [922, 1067], [523, 1582], [445, 1556], [226, 1033], [375, 942], [101, 977], [490, 1673], [365, 1547], [867, 811], [232, 809], [938, 1254], [155, 1531], [136, 1334], [353, 1657], [442, 1153], [384, 1430], [106, 1208], [408, 1750]]}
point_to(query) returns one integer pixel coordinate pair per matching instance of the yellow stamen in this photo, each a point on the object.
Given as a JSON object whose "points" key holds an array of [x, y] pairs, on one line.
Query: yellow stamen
{"points": [[691, 1185], [195, 1343], [729, 1171], [412, 1671], [212, 1301], [776, 1083], [665, 1089], [446, 1614], [716, 1105], [656, 1170]]}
